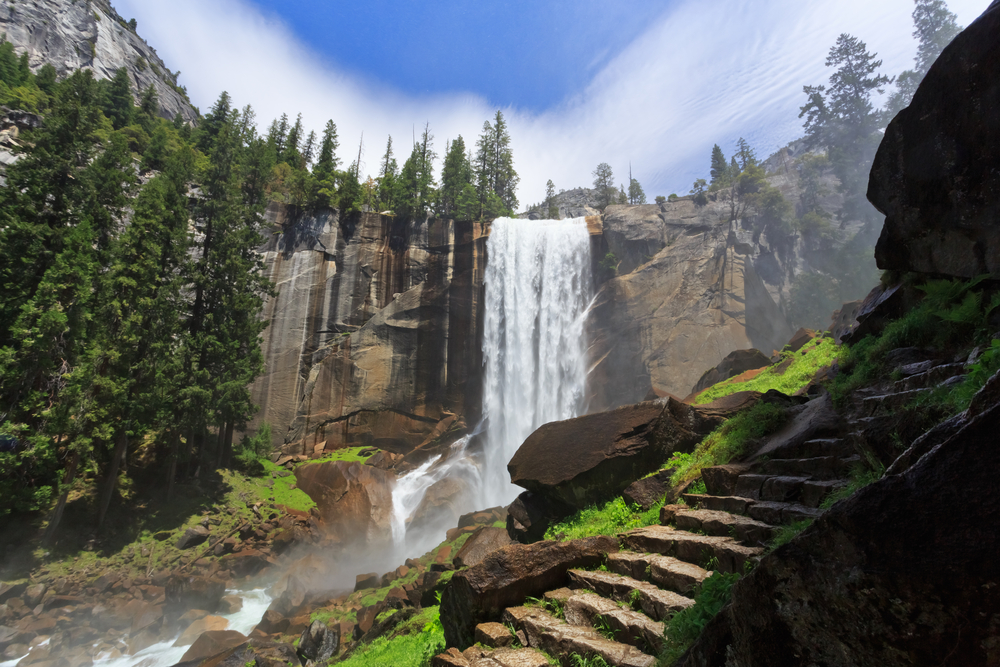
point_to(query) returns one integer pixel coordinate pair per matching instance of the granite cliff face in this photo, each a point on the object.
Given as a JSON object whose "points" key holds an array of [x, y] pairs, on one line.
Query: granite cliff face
{"points": [[374, 330], [73, 34]]}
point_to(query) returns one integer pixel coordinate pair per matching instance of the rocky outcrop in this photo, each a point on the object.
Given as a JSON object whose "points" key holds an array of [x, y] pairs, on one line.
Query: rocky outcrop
{"points": [[354, 501], [374, 331], [577, 203], [902, 573], [506, 576], [735, 363], [699, 290], [71, 35], [937, 171]]}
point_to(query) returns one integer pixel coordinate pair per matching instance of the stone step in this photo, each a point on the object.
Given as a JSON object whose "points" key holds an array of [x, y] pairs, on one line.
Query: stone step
{"points": [[815, 492], [731, 504], [781, 488], [891, 403], [816, 448], [782, 513], [929, 377], [664, 571], [746, 530], [545, 632], [726, 554], [477, 656], [820, 467], [656, 603], [625, 625]]}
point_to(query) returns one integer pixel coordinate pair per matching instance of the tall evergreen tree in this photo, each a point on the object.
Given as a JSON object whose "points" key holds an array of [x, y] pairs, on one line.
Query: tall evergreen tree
{"points": [[494, 167], [455, 175], [842, 118], [292, 152], [326, 162], [309, 149], [934, 28], [387, 177], [118, 105], [720, 167], [604, 185], [550, 200], [416, 180]]}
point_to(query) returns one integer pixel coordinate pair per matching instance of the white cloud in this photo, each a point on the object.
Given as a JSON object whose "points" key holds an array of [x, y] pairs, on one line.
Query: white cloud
{"points": [[696, 77]]}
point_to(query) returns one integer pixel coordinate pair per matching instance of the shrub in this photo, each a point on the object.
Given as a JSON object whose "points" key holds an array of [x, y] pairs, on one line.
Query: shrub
{"points": [[610, 518], [252, 451]]}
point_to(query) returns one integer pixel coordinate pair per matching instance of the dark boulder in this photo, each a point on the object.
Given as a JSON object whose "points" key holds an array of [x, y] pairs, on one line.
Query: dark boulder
{"points": [[648, 491], [735, 363], [507, 576], [319, 642], [191, 592], [585, 460], [192, 537], [211, 644], [937, 172], [531, 514]]}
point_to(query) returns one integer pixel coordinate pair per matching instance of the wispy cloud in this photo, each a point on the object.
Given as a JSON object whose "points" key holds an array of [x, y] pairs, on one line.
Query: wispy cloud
{"points": [[695, 77]]}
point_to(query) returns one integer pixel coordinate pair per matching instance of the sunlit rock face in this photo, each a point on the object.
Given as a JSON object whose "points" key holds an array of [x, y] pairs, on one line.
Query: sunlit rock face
{"points": [[71, 35], [373, 332], [354, 501], [937, 172], [690, 290]]}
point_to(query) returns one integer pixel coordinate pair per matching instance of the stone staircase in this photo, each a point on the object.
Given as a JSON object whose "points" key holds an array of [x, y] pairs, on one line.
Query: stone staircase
{"points": [[619, 612]]}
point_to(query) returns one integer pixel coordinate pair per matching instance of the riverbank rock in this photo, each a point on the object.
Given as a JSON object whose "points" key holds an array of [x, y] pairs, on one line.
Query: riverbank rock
{"points": [[319, 642], [506, 576], [185, 592], [212, 643], [580, 461], [354, 501], [481, 544], [937, 171]]}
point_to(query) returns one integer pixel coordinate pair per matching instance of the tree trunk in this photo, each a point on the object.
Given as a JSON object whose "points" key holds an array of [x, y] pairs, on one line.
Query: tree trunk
{"points": [[112, 479], [71, 466], [227, 445], [220, 442]]}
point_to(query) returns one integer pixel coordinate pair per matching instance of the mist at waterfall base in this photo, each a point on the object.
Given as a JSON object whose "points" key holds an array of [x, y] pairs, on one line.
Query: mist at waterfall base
{"points": [[538, 287]]}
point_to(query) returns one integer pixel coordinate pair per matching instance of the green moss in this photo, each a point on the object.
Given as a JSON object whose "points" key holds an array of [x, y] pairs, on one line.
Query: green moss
{"points": [[816, 354], [786, 533], [729, 442], [609, 518], [413, 645]]}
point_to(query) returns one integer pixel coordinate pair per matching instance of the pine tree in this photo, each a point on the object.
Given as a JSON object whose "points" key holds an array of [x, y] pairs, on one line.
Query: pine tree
{"points": [[842, 118], [212, 124], [388, 175], [292, 152], [327, 161], [550, 200], [118, 105], [636, 195], [455, 175], [309, 149], [720, 167], [604, 188], [415, 192], [934, 28], [494, 166]]}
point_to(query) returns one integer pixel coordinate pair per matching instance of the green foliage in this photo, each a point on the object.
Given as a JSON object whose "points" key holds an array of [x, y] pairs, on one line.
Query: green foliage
{"points": [[660, 199], [609, 518], [863, 474], [786, 533], [604, 185], [496, 179], [411, 649], [456, 175], [794, 373], [253, 450], [700, 198], [951, 314], [609, 265], [594, 660], [729, 442], [685, 626]]}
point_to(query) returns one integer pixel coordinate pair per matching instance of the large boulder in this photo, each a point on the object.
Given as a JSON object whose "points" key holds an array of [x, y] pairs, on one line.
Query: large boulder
{"points": [[319, 642], [937, 172], [185, 592], [212, 643], [506, 576], [441, 506], [584, 460], [354, 501], [902, 573], [481, 544]]}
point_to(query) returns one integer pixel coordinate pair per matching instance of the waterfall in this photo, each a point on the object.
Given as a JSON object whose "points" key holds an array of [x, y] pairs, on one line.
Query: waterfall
{"points": [[538, 288]]}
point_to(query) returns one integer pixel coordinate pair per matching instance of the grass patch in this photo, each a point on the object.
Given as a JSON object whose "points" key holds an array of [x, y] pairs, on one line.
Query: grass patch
{"points": [[787, 532], [609, 518], [728, 442], [416, 642], [814, 355], [953, 314], [861, 476], [685, 626]]}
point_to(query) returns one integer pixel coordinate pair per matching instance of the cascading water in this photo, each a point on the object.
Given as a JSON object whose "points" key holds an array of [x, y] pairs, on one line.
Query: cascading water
{"points": [[538, 287]]}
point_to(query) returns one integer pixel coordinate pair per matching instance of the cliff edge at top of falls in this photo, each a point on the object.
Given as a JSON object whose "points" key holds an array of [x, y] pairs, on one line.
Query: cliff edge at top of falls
{"points": [[73, 35]]}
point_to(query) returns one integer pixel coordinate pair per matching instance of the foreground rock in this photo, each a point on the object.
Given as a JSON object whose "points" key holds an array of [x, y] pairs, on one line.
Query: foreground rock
{"points": [[902, 573], [505, 577], [354, 500], [937, 171]]}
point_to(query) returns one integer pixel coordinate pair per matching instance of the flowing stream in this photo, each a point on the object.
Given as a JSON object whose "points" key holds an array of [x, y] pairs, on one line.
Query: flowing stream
{"points": [[538, 289]]}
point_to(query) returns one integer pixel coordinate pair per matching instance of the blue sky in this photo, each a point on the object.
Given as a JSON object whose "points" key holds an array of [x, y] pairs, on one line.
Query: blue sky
{"points": [[654, 84], [524, 53]]}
